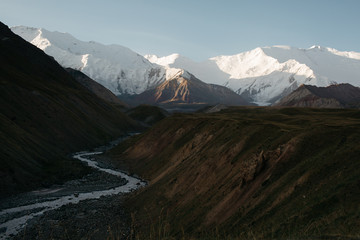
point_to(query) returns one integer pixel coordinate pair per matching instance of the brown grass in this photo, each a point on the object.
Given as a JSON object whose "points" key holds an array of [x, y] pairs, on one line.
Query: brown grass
{"points": [[251, 170]]}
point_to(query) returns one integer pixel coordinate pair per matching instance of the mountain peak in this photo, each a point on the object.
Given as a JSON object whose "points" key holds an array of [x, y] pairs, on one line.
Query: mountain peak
{"points": [[163, 61], [265, 74], [262, 75], [64, 117], [316, 47], [117, 68], [185, 88], [286, 47]]}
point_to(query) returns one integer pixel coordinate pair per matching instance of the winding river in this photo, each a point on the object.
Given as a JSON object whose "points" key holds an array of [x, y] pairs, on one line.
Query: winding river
{"points": [[13, 220]]}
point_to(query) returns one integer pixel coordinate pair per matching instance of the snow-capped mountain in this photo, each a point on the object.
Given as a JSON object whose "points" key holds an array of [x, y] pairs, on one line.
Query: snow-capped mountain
{"points": [[185, 88], [264, 75], [116, 67]]}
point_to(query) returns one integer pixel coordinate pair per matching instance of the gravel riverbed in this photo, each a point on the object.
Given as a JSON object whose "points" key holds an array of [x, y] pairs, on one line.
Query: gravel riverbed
{"points": [[90, 219], [86, 208]]}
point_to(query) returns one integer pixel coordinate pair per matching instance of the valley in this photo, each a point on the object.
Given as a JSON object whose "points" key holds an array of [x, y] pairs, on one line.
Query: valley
{"points": [[240, 173], [263, 144], [21, 215]]}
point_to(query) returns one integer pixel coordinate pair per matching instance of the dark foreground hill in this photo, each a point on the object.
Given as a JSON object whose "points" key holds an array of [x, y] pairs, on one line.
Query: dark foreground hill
{"points": [[334, 96], [248, 173], [95, 87], [45, 115]]}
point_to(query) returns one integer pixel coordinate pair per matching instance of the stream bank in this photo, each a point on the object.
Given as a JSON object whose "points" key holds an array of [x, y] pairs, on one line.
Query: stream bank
{"points": [[86, 208]]}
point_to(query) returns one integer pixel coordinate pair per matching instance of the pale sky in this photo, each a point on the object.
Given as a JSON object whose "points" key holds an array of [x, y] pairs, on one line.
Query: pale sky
{"points": [[197, 29]]}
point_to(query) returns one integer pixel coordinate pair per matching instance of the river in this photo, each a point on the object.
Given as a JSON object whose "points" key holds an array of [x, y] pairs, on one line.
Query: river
{"points": [[36, 203]]}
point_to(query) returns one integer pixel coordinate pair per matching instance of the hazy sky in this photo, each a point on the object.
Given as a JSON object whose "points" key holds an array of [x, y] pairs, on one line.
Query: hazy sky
{"points": [[198, 29]]}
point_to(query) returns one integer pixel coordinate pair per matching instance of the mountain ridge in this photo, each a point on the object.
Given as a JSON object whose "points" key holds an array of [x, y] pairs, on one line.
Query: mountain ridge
{"points": [[334, 96], [266, 74], [117, 68], [110, 65], [262, 75], [95, 87], [185, 88], [45, 116]]}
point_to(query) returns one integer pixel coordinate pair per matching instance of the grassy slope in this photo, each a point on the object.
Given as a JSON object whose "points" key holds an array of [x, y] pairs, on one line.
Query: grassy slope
{"points": [[45, 115], [249, 172]]}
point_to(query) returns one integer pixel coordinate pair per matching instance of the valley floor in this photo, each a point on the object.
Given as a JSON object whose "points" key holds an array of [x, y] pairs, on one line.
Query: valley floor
{"points": [[86, 208]]}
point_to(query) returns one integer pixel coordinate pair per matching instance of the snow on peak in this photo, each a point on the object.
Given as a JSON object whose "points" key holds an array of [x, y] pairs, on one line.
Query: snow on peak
{"points": [[116, 67], [281, 46], [172, 73], [353, 55], [316, 47], [167, 62], [265, 74], [27, 33], [163, 61]]}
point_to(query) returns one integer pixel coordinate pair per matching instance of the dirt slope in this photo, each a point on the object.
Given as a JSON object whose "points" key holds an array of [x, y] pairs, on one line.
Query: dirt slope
{"points": [[249, 172]]}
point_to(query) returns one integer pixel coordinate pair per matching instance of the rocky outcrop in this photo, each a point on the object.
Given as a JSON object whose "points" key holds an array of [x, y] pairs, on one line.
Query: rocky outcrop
{"points": [[190, 90], [334, 96]]}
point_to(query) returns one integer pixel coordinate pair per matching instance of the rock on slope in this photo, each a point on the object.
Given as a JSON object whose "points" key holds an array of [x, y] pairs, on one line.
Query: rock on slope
{"points": [[186, 88], [334, 96], [266, 74], [45, 115]]}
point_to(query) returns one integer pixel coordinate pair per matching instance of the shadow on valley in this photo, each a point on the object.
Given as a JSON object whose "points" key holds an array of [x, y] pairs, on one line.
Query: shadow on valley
{"points": [[45, 116], [242, 173], [220, 173]]}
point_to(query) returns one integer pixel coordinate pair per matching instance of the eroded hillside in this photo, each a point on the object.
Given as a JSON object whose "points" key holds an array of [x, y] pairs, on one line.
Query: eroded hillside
{"points": [[248, 172]]}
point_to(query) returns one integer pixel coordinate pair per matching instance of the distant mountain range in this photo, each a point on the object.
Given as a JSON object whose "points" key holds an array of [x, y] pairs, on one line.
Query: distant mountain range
{"points": [[262, 76], [185, 88], [334, 96], [117, 68]]}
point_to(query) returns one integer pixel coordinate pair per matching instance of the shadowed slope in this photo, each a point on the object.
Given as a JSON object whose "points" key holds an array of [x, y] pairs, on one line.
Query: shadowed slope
{"points": [[147, 115], [249, 173], [334, 96], [45, 115], [95, 87]]}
